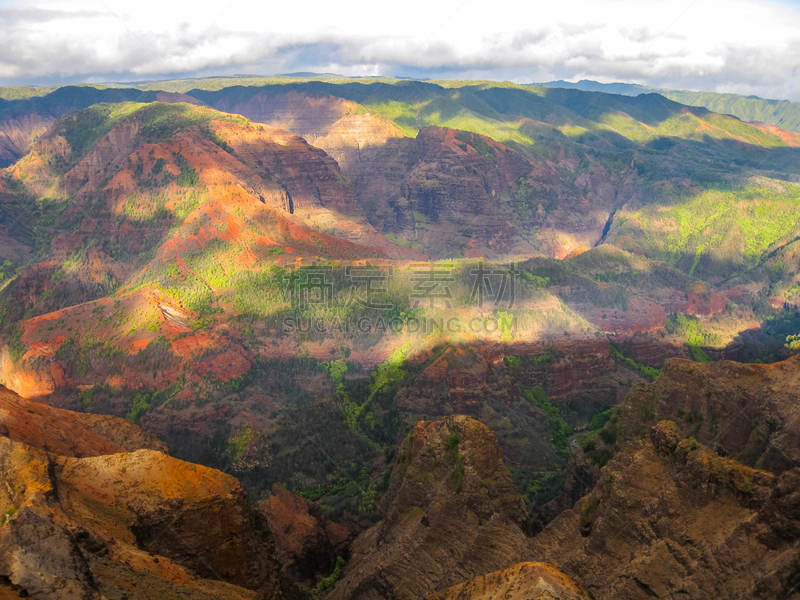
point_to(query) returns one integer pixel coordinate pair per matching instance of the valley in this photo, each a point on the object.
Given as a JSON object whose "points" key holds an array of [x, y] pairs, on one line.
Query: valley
{"points": [[305, 337]]}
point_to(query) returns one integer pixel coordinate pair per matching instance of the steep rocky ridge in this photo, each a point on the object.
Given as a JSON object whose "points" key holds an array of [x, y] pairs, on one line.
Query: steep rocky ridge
{"points": [[23, 121], [745, 411], [18, 134], [327, 122], [455, 193], [165, 243], [670, 518], [451, 513]]}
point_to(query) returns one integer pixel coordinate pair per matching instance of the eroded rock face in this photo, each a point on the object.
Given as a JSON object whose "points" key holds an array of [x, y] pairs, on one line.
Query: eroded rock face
{"points": [[442, 190], [136, 525], [68, 433], [451, 513], [326, 122], [307, 543], [524, 581], [17, 134], [670, 518], [745, 411], [456, 193]]}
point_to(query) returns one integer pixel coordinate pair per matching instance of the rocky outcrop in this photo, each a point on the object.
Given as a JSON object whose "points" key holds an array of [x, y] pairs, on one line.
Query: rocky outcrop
{"points": [[670, 518], [745, 411], [307, 544], [443, 189], [353, 136], [17, 134], [582, 474], [451, 513], [68, 433], [329, 123], [525, 581], [138, 524], [454, 193]]}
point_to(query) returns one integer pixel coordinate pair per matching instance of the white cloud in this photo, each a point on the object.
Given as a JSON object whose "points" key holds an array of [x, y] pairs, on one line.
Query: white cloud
{"points": [[722, 45]]}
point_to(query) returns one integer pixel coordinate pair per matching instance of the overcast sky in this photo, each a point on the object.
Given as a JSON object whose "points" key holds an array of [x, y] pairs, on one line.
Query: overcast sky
{"points": [[742, 46]]}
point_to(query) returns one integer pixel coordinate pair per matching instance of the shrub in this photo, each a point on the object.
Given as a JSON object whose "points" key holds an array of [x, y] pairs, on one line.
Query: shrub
{"points": [[330, 581]]}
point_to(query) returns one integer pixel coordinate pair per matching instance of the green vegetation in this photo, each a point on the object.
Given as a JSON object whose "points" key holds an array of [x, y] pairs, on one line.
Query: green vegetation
{"points": [[559, 430], [699, 355], [350, 410], [6, 516], [718, 230], [143, 402], [330, 581], [702, 206], [781, 113], [188, 176], [598, 454], [690, 328], [238, 443], [538, 489], [514, 364], [650, 372], [598, 421]]}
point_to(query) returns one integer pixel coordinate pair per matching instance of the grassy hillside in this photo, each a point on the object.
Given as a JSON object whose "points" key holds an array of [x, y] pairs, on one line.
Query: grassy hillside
{"points": [[781, 113]]}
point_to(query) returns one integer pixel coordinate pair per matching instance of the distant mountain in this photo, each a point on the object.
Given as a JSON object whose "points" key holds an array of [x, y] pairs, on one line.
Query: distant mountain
{"points": [[780, 113], [587, 85]]}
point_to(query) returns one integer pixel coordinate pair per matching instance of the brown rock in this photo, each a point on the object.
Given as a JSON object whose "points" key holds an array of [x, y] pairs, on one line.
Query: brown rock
{"points": [[670, 519], [524, 581], [142, 525], [17, 135], [451, 513], [70, 433], [745, 411]]}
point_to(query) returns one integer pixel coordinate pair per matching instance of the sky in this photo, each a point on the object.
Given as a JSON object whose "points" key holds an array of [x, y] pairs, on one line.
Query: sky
{"points": [[739, 46]]}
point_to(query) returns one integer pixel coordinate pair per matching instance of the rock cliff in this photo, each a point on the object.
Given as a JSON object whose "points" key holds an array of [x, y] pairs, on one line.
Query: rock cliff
{"points": [[451, 513], [68, 433], [307, 543], [670, 518], [125, 525], [745, 411]]}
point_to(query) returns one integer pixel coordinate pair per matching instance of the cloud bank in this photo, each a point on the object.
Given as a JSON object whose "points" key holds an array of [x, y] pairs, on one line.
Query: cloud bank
{"points": [[742, 46]]}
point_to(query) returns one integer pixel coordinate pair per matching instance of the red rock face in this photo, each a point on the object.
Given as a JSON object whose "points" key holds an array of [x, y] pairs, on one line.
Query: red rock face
{"points": [[138, 524], [67, 433], [307, 544], [652, 351], [584, 371], [458, 368], [440, 183]]}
